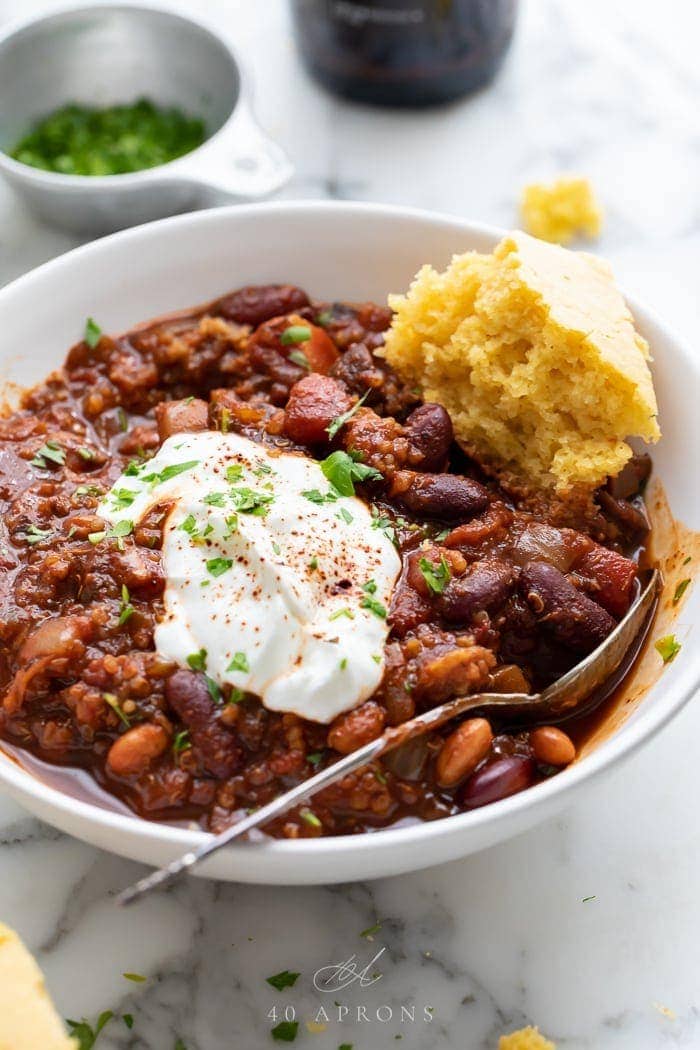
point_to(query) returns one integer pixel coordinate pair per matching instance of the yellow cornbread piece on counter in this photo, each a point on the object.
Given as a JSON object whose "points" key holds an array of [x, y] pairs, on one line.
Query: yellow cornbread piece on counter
{"points": [[28, 1020], [525, 1039], [534, 354], [561, 210]]}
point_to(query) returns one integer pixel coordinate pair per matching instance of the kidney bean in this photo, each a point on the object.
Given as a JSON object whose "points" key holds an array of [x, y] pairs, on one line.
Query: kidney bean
{"points": [[462, 751], [573, 619], [187, 694], [314, 402], [486, 585], [181, 417], [257, 303], [631, 520], [499, 779], [552, 746], [439, 495], [133, 752], [358, 727], [429, 431], [358, 369]]}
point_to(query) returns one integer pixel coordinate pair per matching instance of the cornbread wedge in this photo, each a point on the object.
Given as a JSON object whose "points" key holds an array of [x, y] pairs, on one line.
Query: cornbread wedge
{"points": [[525, 1039], [534, 354], [28, 1020]]}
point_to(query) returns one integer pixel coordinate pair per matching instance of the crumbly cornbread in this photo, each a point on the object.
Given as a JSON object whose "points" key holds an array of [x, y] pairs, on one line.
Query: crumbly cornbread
{"points": [[561, 210], [28, 1020], [534, 354], [525, 1039]]}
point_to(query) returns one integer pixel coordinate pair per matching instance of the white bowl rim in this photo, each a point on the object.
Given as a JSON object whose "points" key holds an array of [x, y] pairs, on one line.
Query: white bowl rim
{"points": [[615, 748]]}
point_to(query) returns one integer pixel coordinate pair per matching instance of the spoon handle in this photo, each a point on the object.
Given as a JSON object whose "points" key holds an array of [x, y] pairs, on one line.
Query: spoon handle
{"points": [[389, 740]]}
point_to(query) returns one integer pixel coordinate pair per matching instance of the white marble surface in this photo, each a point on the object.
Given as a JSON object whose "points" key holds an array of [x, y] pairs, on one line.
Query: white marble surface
{"points": [[503, 938]]}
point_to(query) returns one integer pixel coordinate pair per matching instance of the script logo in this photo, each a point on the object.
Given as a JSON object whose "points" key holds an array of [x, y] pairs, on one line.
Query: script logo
{"points": [[337, 976]]}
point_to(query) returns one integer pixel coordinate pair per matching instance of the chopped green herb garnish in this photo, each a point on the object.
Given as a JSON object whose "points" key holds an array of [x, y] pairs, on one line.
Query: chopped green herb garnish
{"points": [[314, 758], [88, 490], [85, 1033], [343, 663], [235, 696], [126, 610], [122, 498], [198, 661], [296, 333], [687, 561], [215, 499], [371, 930], [85, 453], [137, 977], [225, 420], [181, 742], [111, 699], [585, 900], [77, 139], [310, 818], [128, 1020], [239, 663], [248, 501], [284, 979], [92, 333], [214, 689], [442, 535], [343, 471], [234, 473], [370, 587], [231, 525], [123, 420], [342, 612], [667, 647], [285, 1031], [340, 421], [374, 606], [315, 496], [680, 591], [276, 548], [96, 537], [313, 564], [380, 776], [298, 357], [345, 515], [218, 566], [262, 469], [436, 576], [324, 318], [179, 1045], [172, 471], [377, 658], [49, 453], [33, 534]]}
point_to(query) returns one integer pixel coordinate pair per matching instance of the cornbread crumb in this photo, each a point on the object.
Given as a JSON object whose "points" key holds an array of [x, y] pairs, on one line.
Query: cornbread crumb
{"points": [[525, 1039], [534, 354], [561, 210]]}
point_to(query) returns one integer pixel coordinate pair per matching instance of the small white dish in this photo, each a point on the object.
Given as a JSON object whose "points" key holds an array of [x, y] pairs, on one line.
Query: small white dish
{"points": [[104, 54], [343, 251]]}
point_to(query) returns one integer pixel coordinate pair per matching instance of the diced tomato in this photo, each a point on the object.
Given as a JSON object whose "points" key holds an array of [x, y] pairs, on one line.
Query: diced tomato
{"points": [[611, 577]]}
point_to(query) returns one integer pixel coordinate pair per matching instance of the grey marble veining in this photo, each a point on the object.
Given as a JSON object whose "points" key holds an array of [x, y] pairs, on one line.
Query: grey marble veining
{"points": [[586, 926]]}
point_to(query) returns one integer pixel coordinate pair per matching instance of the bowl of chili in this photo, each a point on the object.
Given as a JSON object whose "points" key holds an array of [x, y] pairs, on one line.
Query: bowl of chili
{"points": [[199, 258]]}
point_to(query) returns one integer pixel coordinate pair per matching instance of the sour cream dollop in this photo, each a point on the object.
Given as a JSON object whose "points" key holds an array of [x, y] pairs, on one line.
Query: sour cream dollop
{"points": [[275, 584]]}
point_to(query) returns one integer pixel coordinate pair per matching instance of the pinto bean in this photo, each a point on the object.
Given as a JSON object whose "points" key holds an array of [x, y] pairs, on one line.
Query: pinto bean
{"points": [[358, 727], [486, 585], [133, 752], [439, 495], [257, 303], [552, 746], [429, 431], [573, 619], [314, 402], [499, 779], [217, 747], [181, 417], [462, 751]]}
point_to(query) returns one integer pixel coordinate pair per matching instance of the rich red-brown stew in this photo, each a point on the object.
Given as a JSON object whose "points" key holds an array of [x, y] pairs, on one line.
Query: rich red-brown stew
{"points": [[500, 589]]}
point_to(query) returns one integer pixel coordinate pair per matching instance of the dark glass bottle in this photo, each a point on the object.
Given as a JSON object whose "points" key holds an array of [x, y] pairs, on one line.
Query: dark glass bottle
{"points": [[403, 52]]}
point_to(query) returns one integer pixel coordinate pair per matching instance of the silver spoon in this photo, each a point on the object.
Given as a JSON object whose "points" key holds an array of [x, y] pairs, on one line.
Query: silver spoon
{"points": [[560, 700]]}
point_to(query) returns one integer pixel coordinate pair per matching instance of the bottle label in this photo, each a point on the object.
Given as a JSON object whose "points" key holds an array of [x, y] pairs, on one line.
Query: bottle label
{"points": [[361, 14]]}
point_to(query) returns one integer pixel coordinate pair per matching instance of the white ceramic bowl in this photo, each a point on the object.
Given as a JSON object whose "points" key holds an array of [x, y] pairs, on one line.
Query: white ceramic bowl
{"points": [[334, 250]]}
